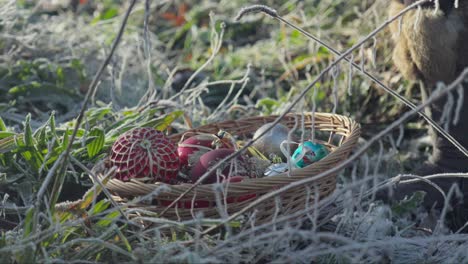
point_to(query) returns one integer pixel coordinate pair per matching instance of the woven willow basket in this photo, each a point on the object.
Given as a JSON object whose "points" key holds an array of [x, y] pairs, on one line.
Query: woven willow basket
{"points": [[339, 133]]}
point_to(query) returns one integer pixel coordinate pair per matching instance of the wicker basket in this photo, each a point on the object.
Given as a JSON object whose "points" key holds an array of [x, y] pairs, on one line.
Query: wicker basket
{"points": [[340, 134]]}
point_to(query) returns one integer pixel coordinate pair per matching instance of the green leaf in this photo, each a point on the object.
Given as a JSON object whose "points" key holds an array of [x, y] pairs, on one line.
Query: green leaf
{"points": [[70, 231], [65, 139], [107, 14], [64, 216], [108, 219], [40, 136], [165, 121], [409, 205], [69, 131], [124, 240], [2, 125], [52, 124], [296, 38], [94, 115], [301, 58], [322, 51], [30, 152], [91, 194], [115, 127], [3, 240], [28, 229], [5, 134], [95, 146], [79, 67], [9, 143], [267, 105], [28, 138], [60, 75], [28, 222], [99, 207]]}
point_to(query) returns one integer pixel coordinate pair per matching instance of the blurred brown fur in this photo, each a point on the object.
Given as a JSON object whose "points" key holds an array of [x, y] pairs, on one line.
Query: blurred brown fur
{"points": [[430, 45]]}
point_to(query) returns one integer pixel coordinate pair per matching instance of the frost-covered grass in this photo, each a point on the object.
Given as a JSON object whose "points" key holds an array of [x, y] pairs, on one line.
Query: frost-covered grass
{"points": [[48, 62]]}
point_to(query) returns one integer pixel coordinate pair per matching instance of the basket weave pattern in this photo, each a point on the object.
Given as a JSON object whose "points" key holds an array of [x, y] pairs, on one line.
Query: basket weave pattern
{"points": [[341, 132]]}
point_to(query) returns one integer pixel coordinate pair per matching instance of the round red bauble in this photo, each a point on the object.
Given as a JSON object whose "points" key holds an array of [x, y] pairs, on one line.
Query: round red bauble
{"points": [[145, 154], [195, 144], [210, 159]]}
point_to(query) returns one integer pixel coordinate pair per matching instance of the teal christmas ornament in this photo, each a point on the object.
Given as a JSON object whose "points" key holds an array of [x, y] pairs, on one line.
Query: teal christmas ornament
{"points": [[308, 153]]}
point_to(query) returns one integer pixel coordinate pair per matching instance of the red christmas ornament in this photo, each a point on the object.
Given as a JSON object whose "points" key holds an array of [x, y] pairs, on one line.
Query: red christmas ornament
{"points": [[208, 160], [145, 154], [195, 144]]}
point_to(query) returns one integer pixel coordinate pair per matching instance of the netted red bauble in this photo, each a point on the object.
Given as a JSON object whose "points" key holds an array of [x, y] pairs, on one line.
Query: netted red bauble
{"points": [[145, 154]]}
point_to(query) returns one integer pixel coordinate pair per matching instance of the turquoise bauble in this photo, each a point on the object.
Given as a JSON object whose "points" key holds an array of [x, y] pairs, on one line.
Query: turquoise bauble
{"points": [[308, 153]]}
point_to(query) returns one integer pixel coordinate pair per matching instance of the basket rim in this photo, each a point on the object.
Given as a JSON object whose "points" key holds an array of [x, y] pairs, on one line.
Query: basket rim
{"points": [[353, 130]]}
